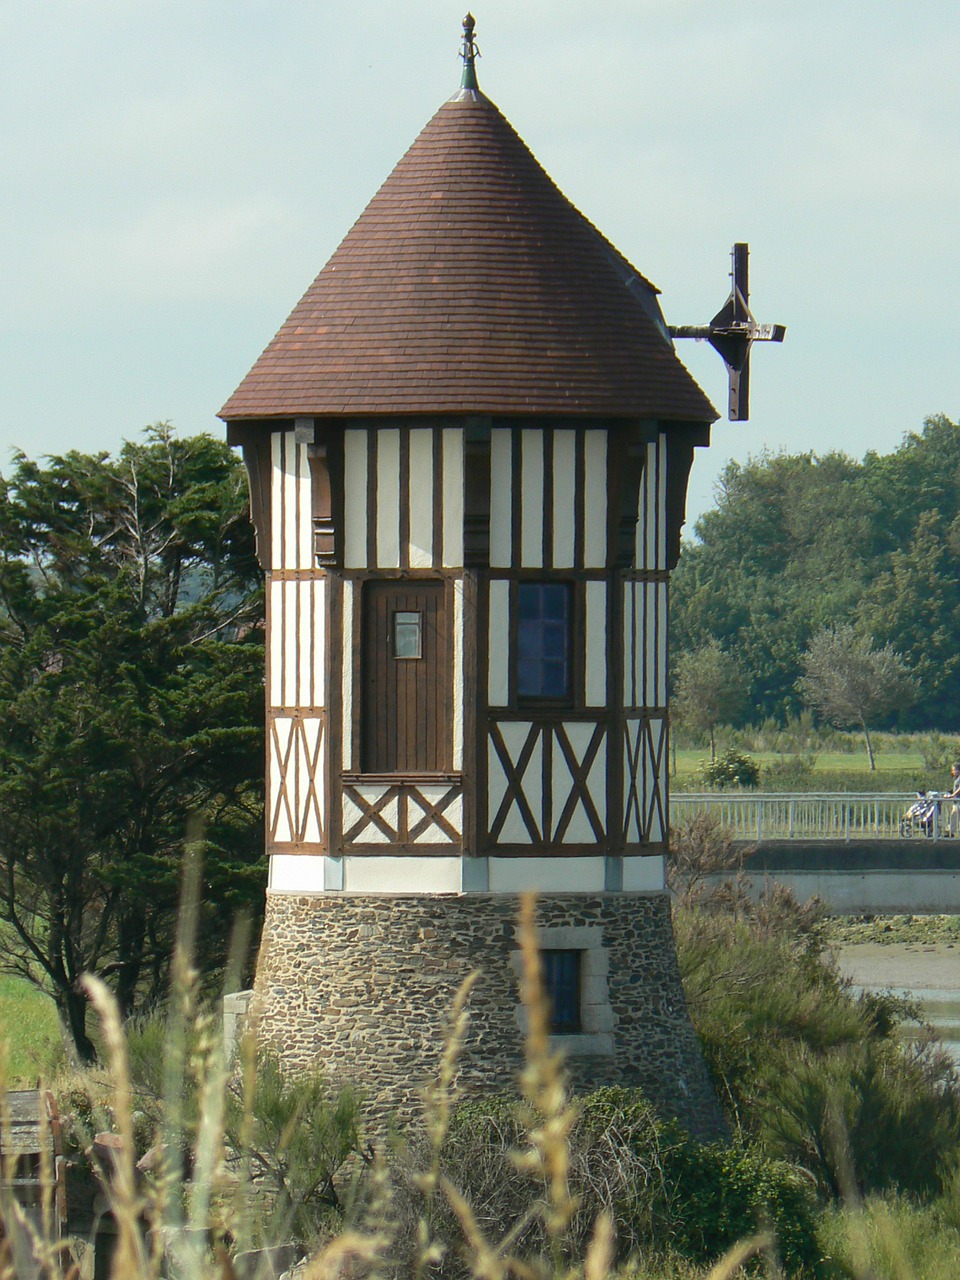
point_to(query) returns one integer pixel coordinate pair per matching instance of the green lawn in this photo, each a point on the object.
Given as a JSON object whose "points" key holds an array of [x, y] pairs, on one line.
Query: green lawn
{"points": [[827, 762], [28, 1024]]}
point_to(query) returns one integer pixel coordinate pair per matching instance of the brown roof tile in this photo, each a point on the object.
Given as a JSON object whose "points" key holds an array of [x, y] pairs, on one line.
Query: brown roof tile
{"points": [[470, 284]]}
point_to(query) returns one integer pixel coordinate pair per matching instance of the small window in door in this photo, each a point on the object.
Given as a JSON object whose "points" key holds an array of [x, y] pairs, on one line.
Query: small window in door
{"points": [[407, 634]]}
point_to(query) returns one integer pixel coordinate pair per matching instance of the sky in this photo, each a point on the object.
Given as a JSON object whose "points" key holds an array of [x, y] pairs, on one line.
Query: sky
{"points": [[176, 173]]}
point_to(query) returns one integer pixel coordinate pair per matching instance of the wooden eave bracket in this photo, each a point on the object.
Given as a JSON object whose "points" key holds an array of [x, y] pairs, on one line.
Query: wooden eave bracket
{"points": [[255, 444], [682, 439]]}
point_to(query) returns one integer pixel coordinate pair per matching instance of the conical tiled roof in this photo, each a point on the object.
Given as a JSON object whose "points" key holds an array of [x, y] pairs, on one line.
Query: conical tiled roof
{"points": [[470, 284]]}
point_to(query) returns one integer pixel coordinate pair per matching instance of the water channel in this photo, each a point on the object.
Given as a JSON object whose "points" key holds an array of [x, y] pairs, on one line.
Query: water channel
{"points": [[926, 973]]}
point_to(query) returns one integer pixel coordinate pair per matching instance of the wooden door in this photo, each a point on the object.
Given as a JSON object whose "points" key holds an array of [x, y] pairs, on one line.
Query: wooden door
{"points": [[407, 678]]}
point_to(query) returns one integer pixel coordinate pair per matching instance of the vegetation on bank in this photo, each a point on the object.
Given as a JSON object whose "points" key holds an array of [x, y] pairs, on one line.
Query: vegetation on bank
{"points": [[843, 1162]]}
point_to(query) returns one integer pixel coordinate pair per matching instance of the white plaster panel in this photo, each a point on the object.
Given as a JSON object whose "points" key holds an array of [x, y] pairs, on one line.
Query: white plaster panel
{"points": [[371, 794], [661, 644], [498, 661], [644, 875], [274, 780], [649, 530], [355, 499], [633, 832], [531, 511], [657, 731], [496, 781], [289, 687], [579, 831], [373, 835], [276, 644], [420, 487], [514, 830], [352, 813], [546, 875], [640, 648], [291, 524], [457, 673], [628, 660], [390, 813], [650, 631], [501, 498], [595, 500], [579, 734], [296, 873], [596, 646], [564, 497], [305, 645], [454, 814], [597, 781], [385, 874], [304, 508], [311, 827], [346, 653], [276, 499], [452, 497], [388, 499], [319, 610], [562, 783]]}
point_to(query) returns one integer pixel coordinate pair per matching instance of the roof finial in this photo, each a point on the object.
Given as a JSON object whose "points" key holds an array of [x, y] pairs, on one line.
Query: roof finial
{"points": [[469, 53]]}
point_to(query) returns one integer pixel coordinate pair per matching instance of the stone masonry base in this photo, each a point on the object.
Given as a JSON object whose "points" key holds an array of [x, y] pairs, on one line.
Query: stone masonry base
{"points": [[361, 986]]}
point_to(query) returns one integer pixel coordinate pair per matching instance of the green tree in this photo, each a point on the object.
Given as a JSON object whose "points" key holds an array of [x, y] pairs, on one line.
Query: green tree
{"points": [[130, 702], [798, 542], [711, 690], [914, 605], [852, 684]]}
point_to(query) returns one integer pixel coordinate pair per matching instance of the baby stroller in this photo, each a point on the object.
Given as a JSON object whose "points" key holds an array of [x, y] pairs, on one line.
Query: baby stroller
{"points": [[923, 813]]}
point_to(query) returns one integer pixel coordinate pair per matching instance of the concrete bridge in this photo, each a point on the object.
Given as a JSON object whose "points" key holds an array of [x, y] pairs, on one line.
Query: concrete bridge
{"points": [[872, 877]]}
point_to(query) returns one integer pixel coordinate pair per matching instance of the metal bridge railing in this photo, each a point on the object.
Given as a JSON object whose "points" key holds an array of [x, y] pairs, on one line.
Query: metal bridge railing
{"points": [[758, 815]]}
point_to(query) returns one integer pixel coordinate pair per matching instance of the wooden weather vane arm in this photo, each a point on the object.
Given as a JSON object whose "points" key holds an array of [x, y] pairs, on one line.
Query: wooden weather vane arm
{"points": [[732, 332]]}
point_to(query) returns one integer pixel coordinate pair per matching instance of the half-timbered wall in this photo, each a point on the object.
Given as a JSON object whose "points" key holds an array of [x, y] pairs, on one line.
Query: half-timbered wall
{"points": [[403, 518], [645, 660], [546, 768], [587, 777], [403, 498], [296, 659]]}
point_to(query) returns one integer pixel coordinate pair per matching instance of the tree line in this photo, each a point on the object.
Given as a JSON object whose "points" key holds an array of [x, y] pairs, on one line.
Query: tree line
{"points": [[808, 555]]}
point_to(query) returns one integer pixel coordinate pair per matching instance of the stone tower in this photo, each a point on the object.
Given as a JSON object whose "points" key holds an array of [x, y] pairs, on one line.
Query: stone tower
{"points": [[468, 450]]}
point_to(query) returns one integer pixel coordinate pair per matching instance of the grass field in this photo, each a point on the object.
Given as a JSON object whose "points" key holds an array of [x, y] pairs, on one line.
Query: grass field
{"points": [[899, 764], [28, 1024]]}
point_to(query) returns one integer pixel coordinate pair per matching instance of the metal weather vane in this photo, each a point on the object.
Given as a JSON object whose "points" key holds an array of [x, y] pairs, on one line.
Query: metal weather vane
{"points": [[732, 332]]}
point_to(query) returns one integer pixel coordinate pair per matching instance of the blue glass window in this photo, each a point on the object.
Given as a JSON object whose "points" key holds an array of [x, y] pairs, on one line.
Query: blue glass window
{"points": [[561, 981], [544, 640]]}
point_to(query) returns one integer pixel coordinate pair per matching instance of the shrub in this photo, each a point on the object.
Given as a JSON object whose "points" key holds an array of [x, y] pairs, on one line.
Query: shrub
{"points": [[790, 773], [803, 1067], [730, 769], [664, 1192], [700, 847]]}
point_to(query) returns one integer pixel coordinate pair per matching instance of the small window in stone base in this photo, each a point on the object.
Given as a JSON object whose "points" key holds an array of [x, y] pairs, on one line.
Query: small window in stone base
{"points": [[561, 981]]}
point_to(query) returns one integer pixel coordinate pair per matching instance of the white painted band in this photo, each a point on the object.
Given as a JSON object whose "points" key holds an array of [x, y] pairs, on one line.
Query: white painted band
{"points": [[313, 873]]}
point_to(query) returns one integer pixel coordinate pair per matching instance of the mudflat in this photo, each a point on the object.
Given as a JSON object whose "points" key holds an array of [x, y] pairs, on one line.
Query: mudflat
{"points": [[901, 965]]}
